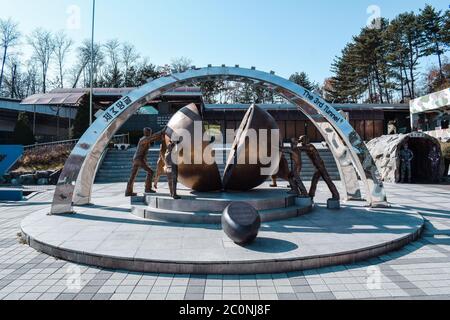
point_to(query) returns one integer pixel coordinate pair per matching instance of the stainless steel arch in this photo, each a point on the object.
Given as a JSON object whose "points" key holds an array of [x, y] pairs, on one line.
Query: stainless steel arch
{"points": [[77, 178]]}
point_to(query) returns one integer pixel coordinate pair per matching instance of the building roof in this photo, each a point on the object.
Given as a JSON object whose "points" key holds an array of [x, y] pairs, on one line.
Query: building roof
{"points": [[281, 107], [4, 99], [74, 96], [55, 98]]}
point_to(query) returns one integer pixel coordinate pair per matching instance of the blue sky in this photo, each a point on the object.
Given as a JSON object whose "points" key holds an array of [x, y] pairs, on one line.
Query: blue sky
{"points": [[280, 35]]}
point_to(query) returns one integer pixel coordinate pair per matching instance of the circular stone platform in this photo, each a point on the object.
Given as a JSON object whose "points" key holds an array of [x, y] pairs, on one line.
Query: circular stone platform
{"points": [[108, 235], [207, 208]]}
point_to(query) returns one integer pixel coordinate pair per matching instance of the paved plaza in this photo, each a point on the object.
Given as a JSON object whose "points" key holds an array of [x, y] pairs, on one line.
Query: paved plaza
{"points": [[419, 271]]}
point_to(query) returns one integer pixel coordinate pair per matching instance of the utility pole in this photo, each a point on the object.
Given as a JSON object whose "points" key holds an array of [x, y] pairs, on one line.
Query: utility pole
{"points": [[92, 66]]}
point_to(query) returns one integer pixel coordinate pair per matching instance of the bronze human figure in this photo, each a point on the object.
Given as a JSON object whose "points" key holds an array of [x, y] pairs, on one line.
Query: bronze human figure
{"points": [[171, 169], [406, 158], [293, 176], [321, 171], [161, 164], [435, 159], [140, 161]]}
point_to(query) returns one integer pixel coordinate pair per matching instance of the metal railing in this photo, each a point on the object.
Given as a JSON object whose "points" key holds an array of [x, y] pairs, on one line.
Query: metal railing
{"points": [[119, 139]]}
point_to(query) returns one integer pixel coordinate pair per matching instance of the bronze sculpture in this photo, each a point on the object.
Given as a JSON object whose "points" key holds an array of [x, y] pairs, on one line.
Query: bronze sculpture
{"points": [[321, 171], [140, 161], [292, 176], [406, 157], [161, 164], [435, 159], [244, 175], [171, 169], [200, 176]]}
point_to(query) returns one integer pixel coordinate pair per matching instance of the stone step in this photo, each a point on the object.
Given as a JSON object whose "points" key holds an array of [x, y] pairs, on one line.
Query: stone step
{"points": [[126, 173], [141, 179], [119, 166], [118, 163], [217, 202], [116, 166], [170, 216]]}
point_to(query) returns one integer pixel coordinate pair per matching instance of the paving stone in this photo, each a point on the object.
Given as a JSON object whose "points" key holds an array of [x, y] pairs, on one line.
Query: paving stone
{"points": [[419, 271], [325, 296], [194, 296], [287, 296], [306, 296], [66, 296], [102, 296]]}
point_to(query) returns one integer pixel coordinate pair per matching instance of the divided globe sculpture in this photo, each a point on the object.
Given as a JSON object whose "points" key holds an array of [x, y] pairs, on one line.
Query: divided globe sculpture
{"points": [[240, 173]]}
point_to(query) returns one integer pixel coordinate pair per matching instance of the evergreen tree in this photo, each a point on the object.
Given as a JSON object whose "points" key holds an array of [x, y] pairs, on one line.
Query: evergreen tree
{"points": [[81, 122], [145, 72], [349, 82], [413, 41], [432, 24], [396, 54], [112, 78], [371, 62], [302, 79], [445, 31], [23, 134], [130, 80]]}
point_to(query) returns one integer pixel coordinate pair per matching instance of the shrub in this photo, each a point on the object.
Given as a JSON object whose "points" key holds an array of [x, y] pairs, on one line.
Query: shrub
{"points": [[44, 158], [446, 150], [23, 134]]}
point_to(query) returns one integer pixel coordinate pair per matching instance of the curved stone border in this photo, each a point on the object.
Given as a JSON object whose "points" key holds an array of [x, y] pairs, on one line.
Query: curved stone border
{"points": [[225, 267], [247, 267]]}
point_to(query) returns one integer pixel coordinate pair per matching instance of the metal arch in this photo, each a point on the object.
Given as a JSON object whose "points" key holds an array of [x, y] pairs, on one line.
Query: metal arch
{"points": [[77, 178]]}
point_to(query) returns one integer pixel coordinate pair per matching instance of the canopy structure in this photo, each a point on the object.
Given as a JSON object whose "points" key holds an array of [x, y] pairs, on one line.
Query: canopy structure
{"points": [[351, 154], [431, 114], [56, 98]]}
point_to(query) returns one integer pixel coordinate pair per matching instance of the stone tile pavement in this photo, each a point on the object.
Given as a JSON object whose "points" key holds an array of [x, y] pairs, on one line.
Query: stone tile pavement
{"points": [[419, 271]]}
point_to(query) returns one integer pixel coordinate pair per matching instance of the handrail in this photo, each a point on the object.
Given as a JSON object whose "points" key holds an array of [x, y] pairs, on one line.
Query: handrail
{"points": [[72, 142]]}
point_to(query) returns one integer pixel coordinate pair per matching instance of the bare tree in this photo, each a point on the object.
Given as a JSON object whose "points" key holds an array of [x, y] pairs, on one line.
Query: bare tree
{"points": [[11, 76], [181, 64], [63, 45], [129, 55], [113, 52], [83, 66], [9, 37], [31, 78], [112, 74], [43, 45]]}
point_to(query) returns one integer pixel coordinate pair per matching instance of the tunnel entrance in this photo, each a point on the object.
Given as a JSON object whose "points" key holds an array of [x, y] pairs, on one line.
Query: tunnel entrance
{"points": [[421, 167]]}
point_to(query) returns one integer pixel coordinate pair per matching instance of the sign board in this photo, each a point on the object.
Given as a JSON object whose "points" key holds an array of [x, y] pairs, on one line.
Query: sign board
{"points": [[9, 154], [417, 135]]}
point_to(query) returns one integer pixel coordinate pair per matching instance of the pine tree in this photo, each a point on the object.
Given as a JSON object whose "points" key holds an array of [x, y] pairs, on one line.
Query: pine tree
{"points": [[81, 122], [23, 134], [445, 31], [396, 54], [349, 82], [432, 24], [413, 40], [302, 79]]}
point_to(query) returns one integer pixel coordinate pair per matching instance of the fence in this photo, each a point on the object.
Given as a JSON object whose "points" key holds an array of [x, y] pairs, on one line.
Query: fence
{"points": [[119, 139]]}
